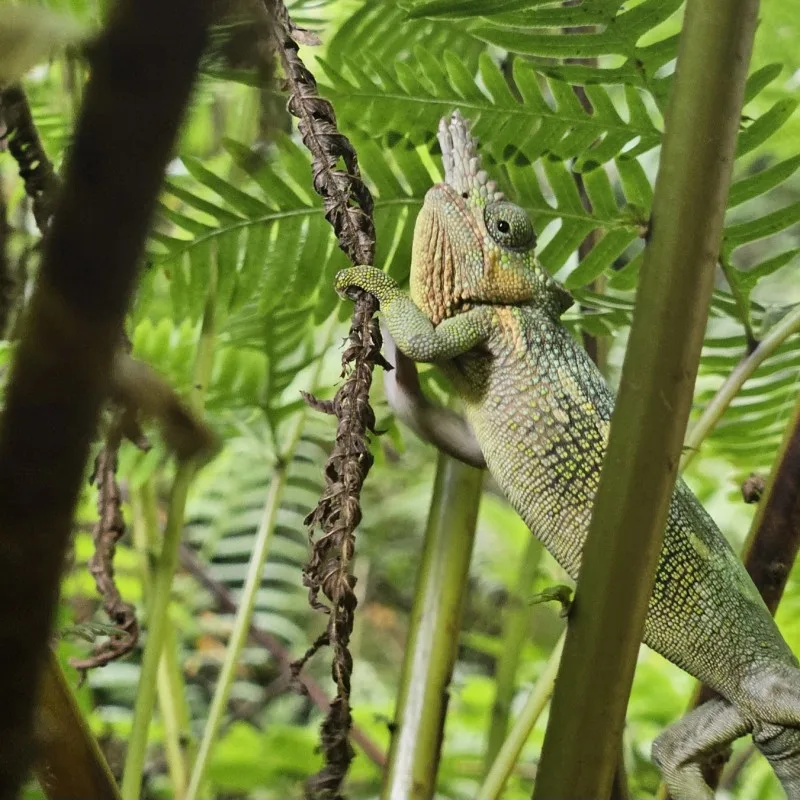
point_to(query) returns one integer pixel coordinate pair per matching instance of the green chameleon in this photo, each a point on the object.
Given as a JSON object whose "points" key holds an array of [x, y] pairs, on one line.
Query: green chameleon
{"points": [[484, 310]]}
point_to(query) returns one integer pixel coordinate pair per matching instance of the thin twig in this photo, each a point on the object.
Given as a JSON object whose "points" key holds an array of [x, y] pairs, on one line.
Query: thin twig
{"points": [[788, 326]]}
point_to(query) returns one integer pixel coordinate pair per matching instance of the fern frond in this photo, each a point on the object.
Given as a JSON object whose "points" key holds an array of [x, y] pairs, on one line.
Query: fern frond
{"points": [[547, 118], [382, 29], [763, 405], [606, 30]]}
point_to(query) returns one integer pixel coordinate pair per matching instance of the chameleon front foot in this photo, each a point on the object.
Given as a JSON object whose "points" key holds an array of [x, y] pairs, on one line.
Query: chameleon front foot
{"points": [[370, 279]]}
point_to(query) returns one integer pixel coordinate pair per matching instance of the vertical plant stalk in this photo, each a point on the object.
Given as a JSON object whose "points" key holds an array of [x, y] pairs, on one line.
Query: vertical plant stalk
{"points": [[171, 695], [516, 627], [769, 552], [432, 644], [167, 562], [348, 207], [69, 761], [509, 754], [143, 67], [626, 531], [240, 630], [157, 612], [244, 612]]}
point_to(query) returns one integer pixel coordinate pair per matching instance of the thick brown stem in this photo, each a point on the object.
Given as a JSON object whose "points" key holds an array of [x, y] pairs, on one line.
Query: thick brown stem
{"points": [[142, 73]]}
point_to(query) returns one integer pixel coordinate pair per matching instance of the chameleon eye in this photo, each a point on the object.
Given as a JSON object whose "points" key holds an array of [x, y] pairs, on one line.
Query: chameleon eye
{"points": [[509, 226]]}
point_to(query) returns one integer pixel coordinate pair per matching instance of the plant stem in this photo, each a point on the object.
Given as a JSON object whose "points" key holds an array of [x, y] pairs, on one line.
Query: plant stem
{"points": [[433, 633], [157, 612], [171, 691], [625, 537], [158, 608], [515, 632], [143, 68], [509, 753], [255, 570], [744, 370], [241, 629]]}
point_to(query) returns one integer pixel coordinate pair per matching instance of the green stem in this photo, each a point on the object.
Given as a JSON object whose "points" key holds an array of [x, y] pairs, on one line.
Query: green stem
{"points": [[157, 612], [625, 536], [244, 614], [158, 608], [433, 634], [509, 753], [241, 629], [744, 370], [171, 691], [515, 632]]}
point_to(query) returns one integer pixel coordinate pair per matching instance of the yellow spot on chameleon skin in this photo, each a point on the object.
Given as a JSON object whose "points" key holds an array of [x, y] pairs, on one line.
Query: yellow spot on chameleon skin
{"points": [[699, 546], [559, 415], [509, 325]]}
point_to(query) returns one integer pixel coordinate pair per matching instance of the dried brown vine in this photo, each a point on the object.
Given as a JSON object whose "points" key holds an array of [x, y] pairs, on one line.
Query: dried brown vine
{"points": [[348, 207], [24, 144], [109, 529]]}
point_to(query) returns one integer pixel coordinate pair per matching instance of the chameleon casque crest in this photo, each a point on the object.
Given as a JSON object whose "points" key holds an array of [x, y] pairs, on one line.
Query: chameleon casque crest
{"points": [[488, 314]]}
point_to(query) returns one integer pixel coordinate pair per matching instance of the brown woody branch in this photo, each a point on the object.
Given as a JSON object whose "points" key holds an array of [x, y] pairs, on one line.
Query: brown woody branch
{"points": [[142, 72]]}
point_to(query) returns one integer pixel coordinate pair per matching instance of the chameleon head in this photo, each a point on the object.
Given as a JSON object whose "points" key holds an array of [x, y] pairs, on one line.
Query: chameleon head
{"points": [[472, 246]]}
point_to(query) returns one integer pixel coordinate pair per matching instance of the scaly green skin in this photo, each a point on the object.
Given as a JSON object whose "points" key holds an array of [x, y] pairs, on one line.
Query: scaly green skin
{"points": [[487, 313]]}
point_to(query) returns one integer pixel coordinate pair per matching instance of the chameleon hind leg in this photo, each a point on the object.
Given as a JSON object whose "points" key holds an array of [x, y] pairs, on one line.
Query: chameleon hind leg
{"points": [[773, 703], [780, 745], [681, 749]]}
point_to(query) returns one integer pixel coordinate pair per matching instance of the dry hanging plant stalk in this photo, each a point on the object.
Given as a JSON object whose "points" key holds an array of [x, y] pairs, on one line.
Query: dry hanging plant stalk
{"points": [[348, 207], [109, 529]]}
